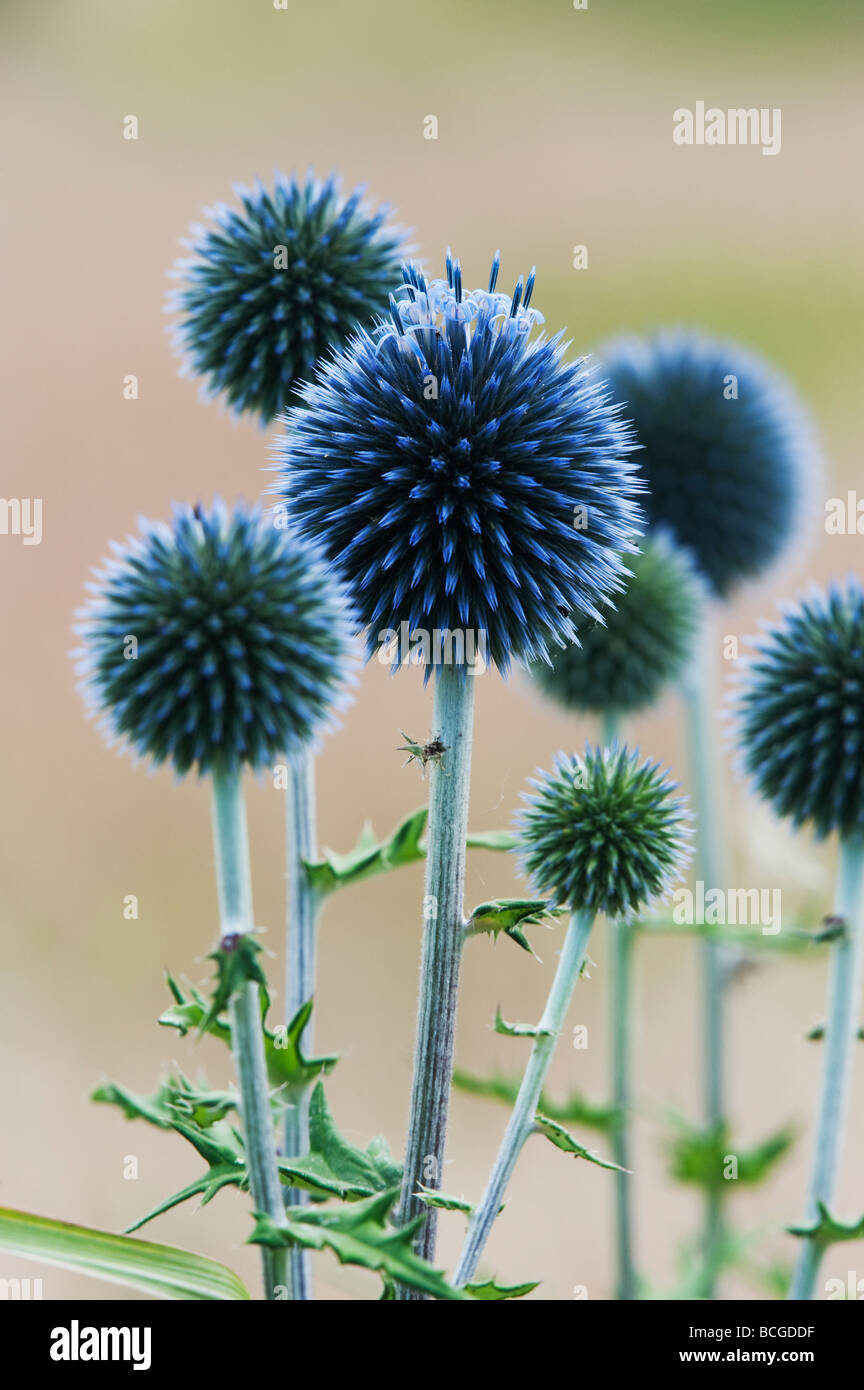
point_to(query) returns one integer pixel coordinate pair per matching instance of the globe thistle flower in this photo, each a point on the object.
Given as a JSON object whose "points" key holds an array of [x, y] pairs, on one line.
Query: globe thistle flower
{"points": [[801, 713], [645, 643], [604, 833], [215, 640], [461, 474], [269, 289], [725, 448]]}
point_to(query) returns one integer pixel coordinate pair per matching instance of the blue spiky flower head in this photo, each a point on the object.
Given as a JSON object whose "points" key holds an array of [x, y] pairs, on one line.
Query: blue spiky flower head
{"points": [[801, 712], [270, 288], [604, 832], [725, 448], [645, 643], [218, 640], [462, 475]]}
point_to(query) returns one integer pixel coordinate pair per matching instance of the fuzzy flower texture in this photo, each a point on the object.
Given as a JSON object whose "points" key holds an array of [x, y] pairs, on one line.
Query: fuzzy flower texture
{"points": [[645, 643], [604, 832], [461, 475], [216, 640], [269, 289], [801, 713]]}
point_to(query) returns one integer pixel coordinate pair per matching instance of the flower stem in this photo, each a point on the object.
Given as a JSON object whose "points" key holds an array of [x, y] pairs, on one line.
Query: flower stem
{"points": [[522, 1119], [622, 936], [449, 780], [703, 737], [841, 1032], [235, 911], [300, 969]]}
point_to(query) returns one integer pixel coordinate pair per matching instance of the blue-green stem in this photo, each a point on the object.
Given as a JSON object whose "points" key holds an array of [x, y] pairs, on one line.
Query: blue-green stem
{"points": [[301, 955], [841, 1032], [521, 1122], [234, 881], [703, 734], [621, 936], [443, 916]]}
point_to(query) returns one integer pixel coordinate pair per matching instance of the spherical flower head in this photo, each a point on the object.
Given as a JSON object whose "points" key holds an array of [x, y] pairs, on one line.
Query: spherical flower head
{"points": [[604, 832], [645, 643], [217, 640], [726, 448], [462, 476], [271, 287], [800, 713]]}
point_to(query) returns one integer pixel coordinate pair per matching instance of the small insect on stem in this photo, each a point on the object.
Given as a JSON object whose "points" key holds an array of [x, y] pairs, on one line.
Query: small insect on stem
{"points": [[422, 753]]}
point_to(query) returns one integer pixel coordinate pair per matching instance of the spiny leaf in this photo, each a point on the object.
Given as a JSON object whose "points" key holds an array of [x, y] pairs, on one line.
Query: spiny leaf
{"points": [[431, 1197], [335, 1168], [405, 845], [176, 1098], [574, 1110], [287, 1065], [359, 1234], [161, 1270], [518, 1030], [563, 1140], [827, 1230], [205, 1187], [494, 1292], [702, 1156], [237, 964], [509, 916]]}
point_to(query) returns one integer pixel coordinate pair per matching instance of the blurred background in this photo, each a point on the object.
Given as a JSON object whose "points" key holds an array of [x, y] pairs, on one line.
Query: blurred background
{"points": [[554, 130]]}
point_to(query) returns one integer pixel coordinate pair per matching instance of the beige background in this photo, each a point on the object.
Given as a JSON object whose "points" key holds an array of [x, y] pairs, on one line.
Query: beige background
{"points": [[554, 129]]}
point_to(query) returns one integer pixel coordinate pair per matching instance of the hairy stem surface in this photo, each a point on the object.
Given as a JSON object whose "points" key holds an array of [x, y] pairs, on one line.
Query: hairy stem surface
{"points": [[443, 915], [235, 910], [703, 738], [841, 1032], [522, 1119], [300, 969]]}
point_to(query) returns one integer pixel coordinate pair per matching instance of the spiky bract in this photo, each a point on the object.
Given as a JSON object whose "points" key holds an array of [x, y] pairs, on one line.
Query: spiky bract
{"points": [[462, 475], [271, 287], [217, 639], [726, 448], [604, 832], [801, 712], [645, 643]]}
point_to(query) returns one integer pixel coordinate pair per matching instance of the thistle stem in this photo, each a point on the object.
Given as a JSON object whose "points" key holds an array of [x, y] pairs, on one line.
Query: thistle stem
{"points": [[449, 780], [841, 1032], [703, 737], [300, 969], [521, 1122], [622, 935], [235, 911]]}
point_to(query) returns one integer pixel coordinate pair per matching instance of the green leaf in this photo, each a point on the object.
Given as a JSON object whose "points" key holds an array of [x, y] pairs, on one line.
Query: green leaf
{"points": [[237, 964], [509, 915], [154, 1109], [493, 1292], [176, 1098], [287, 1065], [444, 1202], [359, 1234], [701, 1156], [405, 845], [574, 1110], [161, 1270], [827, 1230], [559, 1136], [518, 1030], [335, 1168], [205, 1187]]}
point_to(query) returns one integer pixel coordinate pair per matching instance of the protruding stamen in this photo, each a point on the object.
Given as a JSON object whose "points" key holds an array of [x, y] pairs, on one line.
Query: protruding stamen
{"points": [[529, 288], [457, 281], [493, 274], [517, 297], [449, 265], [394, 314]]}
